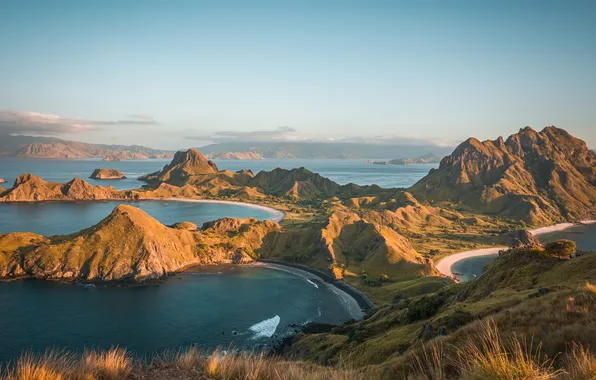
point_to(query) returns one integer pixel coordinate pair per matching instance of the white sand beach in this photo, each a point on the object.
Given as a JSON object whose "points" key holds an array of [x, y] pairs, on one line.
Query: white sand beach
{"points": [[444, 266], [278, 215]]}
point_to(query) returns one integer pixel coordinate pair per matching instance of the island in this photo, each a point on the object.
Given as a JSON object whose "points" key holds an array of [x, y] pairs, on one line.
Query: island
{"points": [[392, 245], [235, 156], [2, 181], [103, 173], [425, 159]]}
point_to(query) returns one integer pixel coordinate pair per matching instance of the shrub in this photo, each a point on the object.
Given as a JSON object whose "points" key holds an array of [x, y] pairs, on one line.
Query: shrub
{"points": [[561, 248]]}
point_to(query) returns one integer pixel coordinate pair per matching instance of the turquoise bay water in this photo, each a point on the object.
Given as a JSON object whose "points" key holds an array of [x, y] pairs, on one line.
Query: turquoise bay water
{"points": [[214, 306], [59, 218], [341, 171], [584, 236]]}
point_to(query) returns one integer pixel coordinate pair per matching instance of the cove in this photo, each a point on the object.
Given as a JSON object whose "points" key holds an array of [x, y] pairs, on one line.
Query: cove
{"points": [[210, 306], [583, 235], [60, 218]]}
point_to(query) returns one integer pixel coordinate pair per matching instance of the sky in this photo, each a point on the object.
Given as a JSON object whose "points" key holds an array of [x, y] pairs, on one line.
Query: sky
{"points": [[175, 74]]}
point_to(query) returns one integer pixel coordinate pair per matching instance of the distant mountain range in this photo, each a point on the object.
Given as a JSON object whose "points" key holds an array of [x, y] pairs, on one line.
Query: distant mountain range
{"points": [[54, 148], [322, 150]]}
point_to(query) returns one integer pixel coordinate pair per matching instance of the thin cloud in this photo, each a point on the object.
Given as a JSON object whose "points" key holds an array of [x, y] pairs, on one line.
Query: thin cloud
{"points": [[14, 122], [289, 134]]}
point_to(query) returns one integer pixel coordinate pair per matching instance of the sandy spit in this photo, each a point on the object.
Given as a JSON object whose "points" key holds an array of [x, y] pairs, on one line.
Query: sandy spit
{"points": [[444, 266], [278, 215]]}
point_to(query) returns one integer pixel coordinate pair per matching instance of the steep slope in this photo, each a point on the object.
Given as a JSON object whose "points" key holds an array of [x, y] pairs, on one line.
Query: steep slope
{"points": [[183, 166], [129, 244], [539, 177], [345, 242]]}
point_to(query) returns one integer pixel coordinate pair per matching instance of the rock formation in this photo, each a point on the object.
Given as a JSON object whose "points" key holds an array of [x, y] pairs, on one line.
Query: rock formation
{"points": [[104, 173], [2, 181], [183, 166], [540, 177]]}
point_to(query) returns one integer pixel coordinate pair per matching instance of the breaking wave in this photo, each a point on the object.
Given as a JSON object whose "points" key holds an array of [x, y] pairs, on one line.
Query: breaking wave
{"points": [[266, 328]]}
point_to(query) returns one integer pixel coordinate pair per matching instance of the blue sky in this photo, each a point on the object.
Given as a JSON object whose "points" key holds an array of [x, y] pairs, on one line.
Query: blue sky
{"points": [[174, 74]]}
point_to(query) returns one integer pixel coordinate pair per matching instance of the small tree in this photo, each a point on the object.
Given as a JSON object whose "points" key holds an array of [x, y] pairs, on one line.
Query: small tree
{"points": [[384, 278], [561, 248]]}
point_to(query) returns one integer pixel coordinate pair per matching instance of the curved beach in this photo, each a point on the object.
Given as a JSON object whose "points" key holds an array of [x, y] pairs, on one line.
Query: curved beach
{"points": [[444, 266], [278, 215]]}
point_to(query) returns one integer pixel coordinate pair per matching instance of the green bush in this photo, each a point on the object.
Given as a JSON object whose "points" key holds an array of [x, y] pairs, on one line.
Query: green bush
{"points": [[561, 248]]}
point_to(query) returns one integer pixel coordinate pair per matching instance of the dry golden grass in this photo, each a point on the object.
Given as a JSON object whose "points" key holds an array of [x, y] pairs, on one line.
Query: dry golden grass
{"points": [[109, 365], [117, 364], [485, 355], [580, 364]]}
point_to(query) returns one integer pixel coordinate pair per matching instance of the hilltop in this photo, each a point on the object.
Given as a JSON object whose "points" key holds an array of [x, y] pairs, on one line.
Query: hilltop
{"points": [[183, 166], [540, 177]]}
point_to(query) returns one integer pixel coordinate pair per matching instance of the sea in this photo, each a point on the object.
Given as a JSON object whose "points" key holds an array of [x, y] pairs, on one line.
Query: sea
{"points": [[340, 171], [213, 306]]}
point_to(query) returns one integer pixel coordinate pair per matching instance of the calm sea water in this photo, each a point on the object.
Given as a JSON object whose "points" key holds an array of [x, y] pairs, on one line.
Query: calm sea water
{"points": [[584, 237], [341, 171], [59, 218], [216, 306]]}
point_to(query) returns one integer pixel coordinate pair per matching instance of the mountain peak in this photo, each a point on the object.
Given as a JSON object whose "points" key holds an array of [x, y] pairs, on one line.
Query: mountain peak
{"points": [[541, 176], [184, 165]]}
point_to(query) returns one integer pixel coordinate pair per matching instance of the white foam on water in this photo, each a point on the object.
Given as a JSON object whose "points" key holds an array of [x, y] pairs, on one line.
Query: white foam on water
{"points": [[266, 328], [315, 285]]}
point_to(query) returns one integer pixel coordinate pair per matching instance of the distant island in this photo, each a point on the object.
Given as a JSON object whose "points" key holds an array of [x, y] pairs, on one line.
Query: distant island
{"points": [[234, 156], [54, 148], [425, 159], [104, 173], [325, 150]]}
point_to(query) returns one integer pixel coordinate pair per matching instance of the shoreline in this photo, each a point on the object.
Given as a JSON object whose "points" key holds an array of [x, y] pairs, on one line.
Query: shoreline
{"points": [[341, 288], [278, 214], [444, 266]]}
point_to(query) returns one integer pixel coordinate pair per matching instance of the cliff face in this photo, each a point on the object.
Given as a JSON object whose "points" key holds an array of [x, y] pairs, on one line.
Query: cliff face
{"points": [[540, 177], [128, 244], [183, 166]]}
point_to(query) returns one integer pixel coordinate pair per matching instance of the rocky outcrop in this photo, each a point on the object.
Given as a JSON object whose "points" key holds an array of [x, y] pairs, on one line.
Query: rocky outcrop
{"points": [[2, 181], [540, 177], [128, 245], [184, 165], [235, 156], [29, 188], [522, 238], [104, 173]]}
